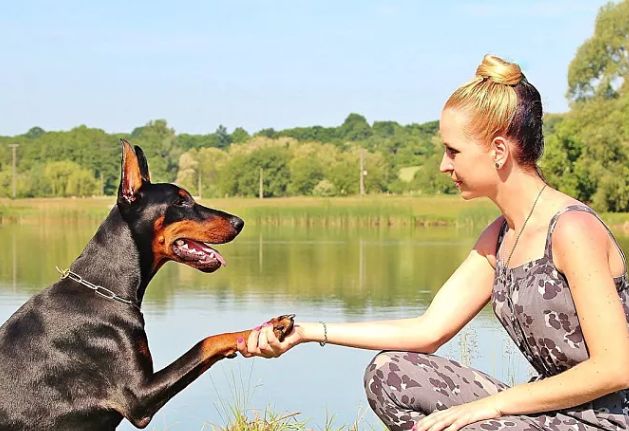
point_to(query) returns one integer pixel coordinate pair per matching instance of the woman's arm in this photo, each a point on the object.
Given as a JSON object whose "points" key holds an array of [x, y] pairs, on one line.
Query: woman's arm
{"points": [[580, 246], [455, 304]]}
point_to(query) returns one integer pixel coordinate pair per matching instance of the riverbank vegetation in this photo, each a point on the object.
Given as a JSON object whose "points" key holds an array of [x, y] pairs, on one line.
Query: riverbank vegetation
{"points": [[376, 211]]}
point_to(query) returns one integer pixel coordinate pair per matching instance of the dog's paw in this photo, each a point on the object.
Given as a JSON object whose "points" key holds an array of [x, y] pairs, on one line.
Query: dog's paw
{"points": [[282, 325]]}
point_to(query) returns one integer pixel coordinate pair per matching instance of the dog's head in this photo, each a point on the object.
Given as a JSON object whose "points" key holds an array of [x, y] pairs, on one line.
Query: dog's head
{"points": [[166, 219]]}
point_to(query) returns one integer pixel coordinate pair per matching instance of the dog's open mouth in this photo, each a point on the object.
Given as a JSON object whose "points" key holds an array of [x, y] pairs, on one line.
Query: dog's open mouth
{"points": [[198, 255]]}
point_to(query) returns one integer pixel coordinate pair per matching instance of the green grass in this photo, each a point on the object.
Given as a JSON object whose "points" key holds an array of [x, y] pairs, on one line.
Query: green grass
{"points": [[67, 209], [238, 416], [407, 174], [369, 211], [270, 421], [372, 211]]}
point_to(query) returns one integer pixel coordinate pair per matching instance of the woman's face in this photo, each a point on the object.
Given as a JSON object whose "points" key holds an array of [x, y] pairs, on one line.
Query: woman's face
{"points": [[468, 161]]}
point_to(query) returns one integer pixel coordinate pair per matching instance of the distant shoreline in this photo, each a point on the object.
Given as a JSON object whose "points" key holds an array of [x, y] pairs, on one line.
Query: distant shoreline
{"points": [[372, 211]]}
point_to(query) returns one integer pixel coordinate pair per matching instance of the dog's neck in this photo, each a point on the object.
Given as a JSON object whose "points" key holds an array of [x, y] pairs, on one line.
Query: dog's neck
{"points": [[112, 259]]}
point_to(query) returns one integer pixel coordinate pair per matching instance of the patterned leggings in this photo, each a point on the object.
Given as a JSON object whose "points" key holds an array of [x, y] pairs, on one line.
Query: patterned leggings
{"points": [[403, 387]]}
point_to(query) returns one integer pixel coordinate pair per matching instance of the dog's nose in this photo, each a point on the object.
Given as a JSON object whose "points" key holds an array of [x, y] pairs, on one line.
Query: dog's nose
{"points": [[237, 223]]}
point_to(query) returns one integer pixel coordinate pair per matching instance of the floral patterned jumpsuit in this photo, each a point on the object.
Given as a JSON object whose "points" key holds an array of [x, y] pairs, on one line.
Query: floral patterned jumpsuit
{"points": [[534, 304]]}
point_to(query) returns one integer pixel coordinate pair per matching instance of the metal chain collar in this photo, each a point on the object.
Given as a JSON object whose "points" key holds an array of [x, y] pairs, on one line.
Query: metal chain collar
{"points": [[99, 290]]}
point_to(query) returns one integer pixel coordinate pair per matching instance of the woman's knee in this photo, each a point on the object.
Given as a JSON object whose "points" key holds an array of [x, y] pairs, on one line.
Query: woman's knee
{"points": [[392, 376]]}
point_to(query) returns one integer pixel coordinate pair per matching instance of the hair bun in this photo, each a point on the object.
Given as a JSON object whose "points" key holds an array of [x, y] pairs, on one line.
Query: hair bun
{"points": [[499, 70]]}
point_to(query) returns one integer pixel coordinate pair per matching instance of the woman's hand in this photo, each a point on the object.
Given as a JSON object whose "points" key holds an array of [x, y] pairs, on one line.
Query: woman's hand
{"points": [[457, 417], [263, 342]]}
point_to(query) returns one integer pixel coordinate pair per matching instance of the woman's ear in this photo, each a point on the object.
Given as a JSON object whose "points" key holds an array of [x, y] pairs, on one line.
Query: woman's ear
{"points": [[500, 150]]}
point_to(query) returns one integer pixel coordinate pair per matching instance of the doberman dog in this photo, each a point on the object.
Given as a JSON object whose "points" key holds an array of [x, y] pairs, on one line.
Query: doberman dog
{"points": [[75, 356]]}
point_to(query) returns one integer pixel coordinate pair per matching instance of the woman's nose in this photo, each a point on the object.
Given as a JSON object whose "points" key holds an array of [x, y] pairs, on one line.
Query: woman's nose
{"points": [[446, 164]]}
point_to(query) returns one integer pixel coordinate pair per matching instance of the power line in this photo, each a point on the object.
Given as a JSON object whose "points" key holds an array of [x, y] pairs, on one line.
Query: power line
{"points": [[13, 147]]}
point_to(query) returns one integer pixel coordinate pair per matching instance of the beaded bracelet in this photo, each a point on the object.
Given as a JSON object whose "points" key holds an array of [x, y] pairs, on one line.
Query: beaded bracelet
{"points": [[325, 334]]}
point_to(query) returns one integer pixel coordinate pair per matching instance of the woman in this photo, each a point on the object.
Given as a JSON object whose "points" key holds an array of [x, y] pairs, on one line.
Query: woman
{"points": [[555, 276]]}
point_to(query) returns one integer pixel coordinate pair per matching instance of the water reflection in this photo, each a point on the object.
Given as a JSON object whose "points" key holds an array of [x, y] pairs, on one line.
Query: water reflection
{"points": [[360, 268]]}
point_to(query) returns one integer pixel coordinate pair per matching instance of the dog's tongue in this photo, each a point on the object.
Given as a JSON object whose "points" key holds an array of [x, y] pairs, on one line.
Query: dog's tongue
{"points": [[207, 249], [218, 256]]}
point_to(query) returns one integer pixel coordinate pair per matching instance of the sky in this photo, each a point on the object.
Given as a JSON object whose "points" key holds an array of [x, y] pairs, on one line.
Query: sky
{"points": [[116, 65]]}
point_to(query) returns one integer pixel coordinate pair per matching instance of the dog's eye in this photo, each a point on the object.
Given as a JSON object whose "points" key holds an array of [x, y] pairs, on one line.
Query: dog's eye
{"points": [[183, 202]]}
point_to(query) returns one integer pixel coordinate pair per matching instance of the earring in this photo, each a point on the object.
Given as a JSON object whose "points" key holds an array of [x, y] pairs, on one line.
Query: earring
{"points": [[497, 165]]}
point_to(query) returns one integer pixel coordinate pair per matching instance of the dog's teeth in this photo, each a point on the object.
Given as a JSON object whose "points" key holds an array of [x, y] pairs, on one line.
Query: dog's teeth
{"points": [[180, 242]]}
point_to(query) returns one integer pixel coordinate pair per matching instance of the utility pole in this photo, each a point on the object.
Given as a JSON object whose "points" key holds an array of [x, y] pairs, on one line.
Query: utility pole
{"points": [[363, 172], [261, 194], [14, 147], [199, 183], [101, 181]]}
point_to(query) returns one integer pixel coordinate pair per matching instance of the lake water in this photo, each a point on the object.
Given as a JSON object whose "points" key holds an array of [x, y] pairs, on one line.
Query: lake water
{"points": [[317, 273]]}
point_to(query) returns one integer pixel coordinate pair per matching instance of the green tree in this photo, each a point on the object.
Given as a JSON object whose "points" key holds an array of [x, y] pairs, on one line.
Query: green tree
{"points": [[355, 128], [34, 132], [344, 173], [612, 193], [188, 171], [602, 62], [324, 188], [239, 135], [6, 187], [33, 183], [200, 170], [67, 178], [212, 162], [158, 142], [586, 146], [241, 173], [306, 169], [223, 139], [267, 133], [81, 183]]}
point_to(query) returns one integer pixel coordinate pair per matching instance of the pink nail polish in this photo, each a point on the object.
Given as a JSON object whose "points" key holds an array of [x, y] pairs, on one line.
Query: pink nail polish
{"points": [[240, 340], [257, 328]]}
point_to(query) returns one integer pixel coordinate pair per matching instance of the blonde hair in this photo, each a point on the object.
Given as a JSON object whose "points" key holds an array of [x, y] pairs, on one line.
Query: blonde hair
{"points": [[502, 102]]}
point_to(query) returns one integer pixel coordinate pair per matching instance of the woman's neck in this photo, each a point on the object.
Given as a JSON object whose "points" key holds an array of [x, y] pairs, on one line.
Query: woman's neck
{"points": [[516, 195]]}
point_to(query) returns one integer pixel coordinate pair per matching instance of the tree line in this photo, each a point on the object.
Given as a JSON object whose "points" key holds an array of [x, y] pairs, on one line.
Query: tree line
{"points": [[587, 148]]}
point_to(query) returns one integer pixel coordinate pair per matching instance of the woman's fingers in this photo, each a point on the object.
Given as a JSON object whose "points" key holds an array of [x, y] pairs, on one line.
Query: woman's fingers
{"points": [[252, 341], [268, 342], [262, 341]]}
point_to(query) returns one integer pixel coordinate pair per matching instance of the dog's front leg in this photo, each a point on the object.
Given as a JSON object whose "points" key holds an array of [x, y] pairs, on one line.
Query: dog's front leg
{"points": [[144, 401]]}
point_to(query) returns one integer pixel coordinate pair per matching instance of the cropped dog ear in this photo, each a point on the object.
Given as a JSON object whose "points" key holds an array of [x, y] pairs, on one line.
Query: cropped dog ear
{"points": [[131, 176], [144, 166]]}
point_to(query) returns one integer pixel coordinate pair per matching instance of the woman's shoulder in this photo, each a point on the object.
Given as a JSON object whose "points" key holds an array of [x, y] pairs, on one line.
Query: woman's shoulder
{"points": [[487, 243], [579, 230], [576, 220]]}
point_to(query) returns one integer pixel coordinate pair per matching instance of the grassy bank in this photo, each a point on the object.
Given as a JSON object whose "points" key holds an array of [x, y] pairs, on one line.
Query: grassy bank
{"points": [[370, 211]]}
